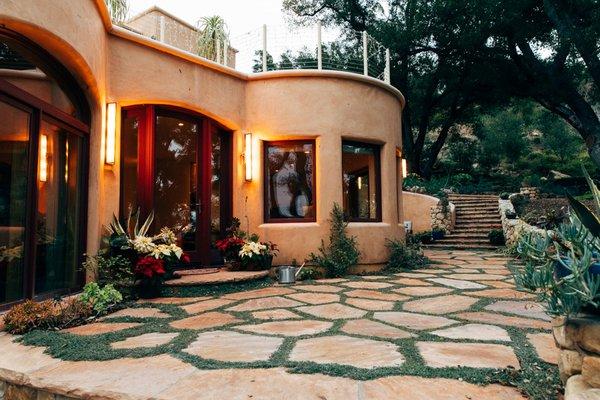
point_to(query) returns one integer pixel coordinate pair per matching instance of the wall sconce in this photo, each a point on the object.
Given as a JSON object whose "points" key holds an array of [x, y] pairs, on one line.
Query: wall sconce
{"points": [[43, 158], [404, 168], [248, 156], [111, 133]]}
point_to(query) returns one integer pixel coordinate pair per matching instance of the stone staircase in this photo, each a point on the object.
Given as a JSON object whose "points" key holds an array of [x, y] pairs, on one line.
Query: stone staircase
{"points": [[476, 216]]}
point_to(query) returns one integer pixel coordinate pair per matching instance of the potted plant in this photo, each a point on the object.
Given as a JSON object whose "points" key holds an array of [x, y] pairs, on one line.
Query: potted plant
{"points": [[438, 234], [230, 248], [425, 237], [150, 271], [504, 196], [257, 256], [496, 237]]}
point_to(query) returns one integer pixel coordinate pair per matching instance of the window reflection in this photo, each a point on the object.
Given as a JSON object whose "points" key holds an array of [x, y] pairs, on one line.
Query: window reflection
{"points": [[290, 181], [360, 169]]}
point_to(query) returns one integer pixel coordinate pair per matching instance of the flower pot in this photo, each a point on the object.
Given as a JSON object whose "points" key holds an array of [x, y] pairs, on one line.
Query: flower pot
{"points": [[510, 215], [233, 265], [149, 288], [259, 264], [437, 235]]}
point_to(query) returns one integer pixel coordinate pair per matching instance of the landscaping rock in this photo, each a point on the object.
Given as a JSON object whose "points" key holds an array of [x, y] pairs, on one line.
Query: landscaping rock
{"points": [[590, 371], [570, 363]]}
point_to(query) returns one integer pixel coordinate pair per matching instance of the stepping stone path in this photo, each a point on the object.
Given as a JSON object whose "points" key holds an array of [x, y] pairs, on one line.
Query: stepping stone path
{"points": [[464, 311], [145, 340]]}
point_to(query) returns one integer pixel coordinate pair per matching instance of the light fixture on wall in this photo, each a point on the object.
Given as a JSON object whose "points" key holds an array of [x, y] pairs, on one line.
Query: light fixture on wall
{"points": [[404, 168], [43, 158], [248, 156], [111, 133]]}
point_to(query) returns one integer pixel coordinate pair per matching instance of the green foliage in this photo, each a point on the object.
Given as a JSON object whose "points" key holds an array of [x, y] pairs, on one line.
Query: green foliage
{"points": [[504, 195], [420, 238], [496, 237], [342, 251], [48, 314], [214, 34], [100, 299], [559, 263], [116, 271], [519, 201], [404, 256], [117, 9]]}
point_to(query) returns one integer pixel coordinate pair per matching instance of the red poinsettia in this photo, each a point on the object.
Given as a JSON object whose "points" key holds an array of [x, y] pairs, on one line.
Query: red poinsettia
{"points": [[230, 246], [149, 267], [185, 257]]}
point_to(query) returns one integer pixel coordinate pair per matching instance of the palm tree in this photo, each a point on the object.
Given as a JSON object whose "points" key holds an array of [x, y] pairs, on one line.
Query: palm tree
{"points": [[213, 36], [118, 9]]}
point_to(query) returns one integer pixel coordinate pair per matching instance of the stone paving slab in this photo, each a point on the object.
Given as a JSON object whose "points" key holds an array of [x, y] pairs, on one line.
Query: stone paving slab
{"points": [[475, 355], [233, 346], [362, 322], [144, 312], [346, 350], [99, 328]]}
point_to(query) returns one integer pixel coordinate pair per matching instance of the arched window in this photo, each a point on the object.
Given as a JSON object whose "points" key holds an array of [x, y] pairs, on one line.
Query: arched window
{"points": [[43, 173]]}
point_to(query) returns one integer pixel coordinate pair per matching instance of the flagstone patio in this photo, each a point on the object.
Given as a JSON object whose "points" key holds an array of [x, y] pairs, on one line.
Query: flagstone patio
{"points": [[429, 334]]}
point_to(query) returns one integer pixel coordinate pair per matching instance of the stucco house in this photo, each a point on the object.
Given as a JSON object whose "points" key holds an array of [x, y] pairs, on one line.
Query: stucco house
{"points": [[97, 119]]}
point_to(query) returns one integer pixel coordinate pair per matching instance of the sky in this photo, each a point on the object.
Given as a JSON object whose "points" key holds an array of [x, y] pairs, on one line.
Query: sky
{"points": [[240, 15]]}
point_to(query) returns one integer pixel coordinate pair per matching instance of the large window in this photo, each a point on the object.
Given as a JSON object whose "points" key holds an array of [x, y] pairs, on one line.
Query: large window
{"points": [[43, 172], [361, 181], [290, 181]]}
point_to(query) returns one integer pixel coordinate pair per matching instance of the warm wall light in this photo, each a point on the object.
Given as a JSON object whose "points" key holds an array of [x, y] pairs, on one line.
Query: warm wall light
{"points": [[404, 168], [111, 133], [248, 156], [43, 158]]}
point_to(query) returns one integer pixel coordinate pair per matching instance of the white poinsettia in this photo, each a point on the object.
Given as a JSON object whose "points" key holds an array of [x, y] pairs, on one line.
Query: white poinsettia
{"points": [[251, 248], [143, 244], [161, 250], [166, 235], [176, 250]]}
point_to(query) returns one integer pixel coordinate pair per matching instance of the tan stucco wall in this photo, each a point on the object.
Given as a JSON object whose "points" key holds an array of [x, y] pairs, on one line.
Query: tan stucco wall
{"points": [[117, 66], [417, 208]]}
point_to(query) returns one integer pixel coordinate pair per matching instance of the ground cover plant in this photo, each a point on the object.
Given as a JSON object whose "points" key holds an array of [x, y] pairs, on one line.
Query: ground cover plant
{"points": [[535, 378]]}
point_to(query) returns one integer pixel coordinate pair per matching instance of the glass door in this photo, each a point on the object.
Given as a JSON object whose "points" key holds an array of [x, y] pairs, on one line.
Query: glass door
{"points": [[14, 180], [177, 164]]}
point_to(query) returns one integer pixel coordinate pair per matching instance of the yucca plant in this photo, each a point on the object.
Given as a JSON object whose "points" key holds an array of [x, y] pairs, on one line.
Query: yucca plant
{"points": [[563, 266], [213, 35], [118, 9]]}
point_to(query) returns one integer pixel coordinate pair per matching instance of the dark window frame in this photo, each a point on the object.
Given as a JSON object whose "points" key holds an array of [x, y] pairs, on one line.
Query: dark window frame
{"points": [[266, 186], [146, 169], [377, 148]]}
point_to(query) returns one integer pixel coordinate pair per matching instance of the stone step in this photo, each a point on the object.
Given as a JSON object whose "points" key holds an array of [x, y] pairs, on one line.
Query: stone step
{"points": [[450, 239], [461, 206], [461, 246], [470, 235]]}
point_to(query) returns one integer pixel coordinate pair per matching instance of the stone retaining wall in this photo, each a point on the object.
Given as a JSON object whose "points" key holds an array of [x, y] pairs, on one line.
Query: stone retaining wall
{"points": [[9, 391], [514, 228], [441, 220], [579, 364]]}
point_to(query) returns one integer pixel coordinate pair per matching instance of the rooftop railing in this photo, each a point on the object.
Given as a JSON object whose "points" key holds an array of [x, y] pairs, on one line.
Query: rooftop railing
{"points": [[272, 48]]}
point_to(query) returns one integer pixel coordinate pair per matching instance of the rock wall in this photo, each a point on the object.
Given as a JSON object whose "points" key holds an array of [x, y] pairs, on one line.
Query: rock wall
{"points": [[443, 220], [579, 364], [514, 228]]}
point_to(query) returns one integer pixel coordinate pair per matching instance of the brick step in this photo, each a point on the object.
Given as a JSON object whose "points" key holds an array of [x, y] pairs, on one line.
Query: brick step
{"points": [[470, 232], [470, 216], [450, 239], [476, 211], [473, 198], [473, 235]]}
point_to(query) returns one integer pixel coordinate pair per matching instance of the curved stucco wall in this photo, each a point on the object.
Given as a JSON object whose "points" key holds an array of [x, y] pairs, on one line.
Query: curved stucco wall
{"points": [[118, 66], [329, 109], [417, 209]]}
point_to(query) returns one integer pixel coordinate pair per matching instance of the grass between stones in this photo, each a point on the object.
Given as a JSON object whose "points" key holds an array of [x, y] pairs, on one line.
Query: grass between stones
{"points": [[536, 379]]}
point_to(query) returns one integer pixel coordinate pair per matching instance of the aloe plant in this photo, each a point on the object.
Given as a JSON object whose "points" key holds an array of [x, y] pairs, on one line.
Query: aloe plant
{"points": [[118, 9], [116, 228], [214, 33]]}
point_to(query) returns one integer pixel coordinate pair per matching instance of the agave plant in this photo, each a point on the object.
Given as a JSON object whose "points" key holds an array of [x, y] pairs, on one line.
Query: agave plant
{"points": [[214, 33], [115, 228], [563, 266]]}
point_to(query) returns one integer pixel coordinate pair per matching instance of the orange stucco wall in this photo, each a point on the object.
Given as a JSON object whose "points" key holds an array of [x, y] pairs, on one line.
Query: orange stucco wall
{"points": [[113, 65]]}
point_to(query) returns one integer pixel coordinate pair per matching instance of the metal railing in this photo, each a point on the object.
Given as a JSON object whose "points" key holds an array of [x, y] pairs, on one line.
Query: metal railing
{"points": [[270, 48]]}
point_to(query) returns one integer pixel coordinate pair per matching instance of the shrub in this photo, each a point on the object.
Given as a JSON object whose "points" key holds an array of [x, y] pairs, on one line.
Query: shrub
{"points": [[504, 195], [100, 299], [112, 270], [496, 237], [404, 256], [48, 314], [342, 251], [421, 237], [519, 201]]}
